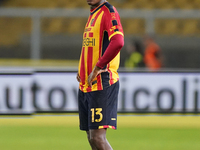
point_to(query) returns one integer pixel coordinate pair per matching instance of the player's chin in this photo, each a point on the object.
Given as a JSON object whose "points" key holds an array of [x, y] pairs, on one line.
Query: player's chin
{"points": [[90, 2]]}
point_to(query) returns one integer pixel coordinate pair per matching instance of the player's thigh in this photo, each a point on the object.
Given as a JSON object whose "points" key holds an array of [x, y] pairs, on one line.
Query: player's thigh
{"points": [[98, 133]]}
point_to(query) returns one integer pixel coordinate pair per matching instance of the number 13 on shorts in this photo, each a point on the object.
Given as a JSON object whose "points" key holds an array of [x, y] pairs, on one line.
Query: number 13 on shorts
{"points": [[96, 112]]}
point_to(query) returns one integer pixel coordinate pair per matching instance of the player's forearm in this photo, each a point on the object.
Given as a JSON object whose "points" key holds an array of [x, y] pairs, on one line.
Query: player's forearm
{"points": [[115, 45]]}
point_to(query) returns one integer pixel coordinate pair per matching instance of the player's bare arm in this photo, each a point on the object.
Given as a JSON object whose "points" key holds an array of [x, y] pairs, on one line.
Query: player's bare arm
{"points": [[94, 74], [78, 77]]}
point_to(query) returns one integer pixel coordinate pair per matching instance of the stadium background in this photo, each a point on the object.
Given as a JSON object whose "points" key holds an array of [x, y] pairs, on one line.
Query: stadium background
{"points": [[49, 40], [61, 37]]}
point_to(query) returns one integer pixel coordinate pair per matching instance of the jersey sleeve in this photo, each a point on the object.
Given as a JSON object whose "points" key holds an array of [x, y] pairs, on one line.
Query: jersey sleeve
{"points": [[116, 43], [112, 23]]}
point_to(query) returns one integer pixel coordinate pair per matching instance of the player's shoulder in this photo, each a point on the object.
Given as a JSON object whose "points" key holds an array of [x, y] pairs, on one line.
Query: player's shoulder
{"points": [[110, 8]]}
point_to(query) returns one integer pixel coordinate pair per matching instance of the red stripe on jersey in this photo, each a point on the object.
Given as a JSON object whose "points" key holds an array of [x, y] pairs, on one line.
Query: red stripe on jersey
{"points": [[99, 85], [85, 35], [90, 17], [89, 59], [95, 19], [89, 63], [82, 68], [99, 82]]}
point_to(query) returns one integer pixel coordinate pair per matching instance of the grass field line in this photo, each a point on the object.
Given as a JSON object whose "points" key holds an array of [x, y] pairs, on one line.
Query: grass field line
{"points": [[123, 121]]}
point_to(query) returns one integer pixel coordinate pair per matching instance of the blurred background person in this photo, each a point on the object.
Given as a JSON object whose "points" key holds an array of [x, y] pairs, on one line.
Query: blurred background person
{"points": [[135, 55], [153, 58]]}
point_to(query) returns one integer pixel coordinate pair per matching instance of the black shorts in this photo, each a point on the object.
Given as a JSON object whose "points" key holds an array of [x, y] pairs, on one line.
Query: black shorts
{"points": [[98, 109]]}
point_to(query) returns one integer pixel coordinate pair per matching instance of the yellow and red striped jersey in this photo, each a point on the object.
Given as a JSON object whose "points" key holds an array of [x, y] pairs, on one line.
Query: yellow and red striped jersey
{"points": [[103, 23]]}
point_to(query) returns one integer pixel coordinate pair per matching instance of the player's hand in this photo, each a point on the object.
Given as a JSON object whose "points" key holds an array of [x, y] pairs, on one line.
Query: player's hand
{"points": [[96, 71], [78, 77]]}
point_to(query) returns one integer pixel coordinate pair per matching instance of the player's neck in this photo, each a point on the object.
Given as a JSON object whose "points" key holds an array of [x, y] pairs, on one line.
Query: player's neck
{"points": [[97, 4]]}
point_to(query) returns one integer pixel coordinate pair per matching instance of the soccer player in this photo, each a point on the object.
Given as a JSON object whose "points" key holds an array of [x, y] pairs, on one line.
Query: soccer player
{"points": [[103, 39]]}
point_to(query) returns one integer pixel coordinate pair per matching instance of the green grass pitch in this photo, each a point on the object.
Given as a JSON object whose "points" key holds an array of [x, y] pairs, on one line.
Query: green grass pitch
{"points": [[61, 132]]}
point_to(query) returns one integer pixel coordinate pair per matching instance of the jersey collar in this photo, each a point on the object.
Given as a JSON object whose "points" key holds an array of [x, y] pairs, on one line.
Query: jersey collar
{"points": [[97, 8]]}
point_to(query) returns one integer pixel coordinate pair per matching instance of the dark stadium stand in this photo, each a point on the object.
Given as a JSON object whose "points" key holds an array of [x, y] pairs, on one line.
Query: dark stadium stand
{"points": [[12, 29], [63, 25]]}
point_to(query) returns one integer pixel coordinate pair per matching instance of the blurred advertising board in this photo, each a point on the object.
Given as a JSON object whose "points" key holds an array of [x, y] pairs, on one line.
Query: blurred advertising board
{"points": [[56, 91], [159, 92]]}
